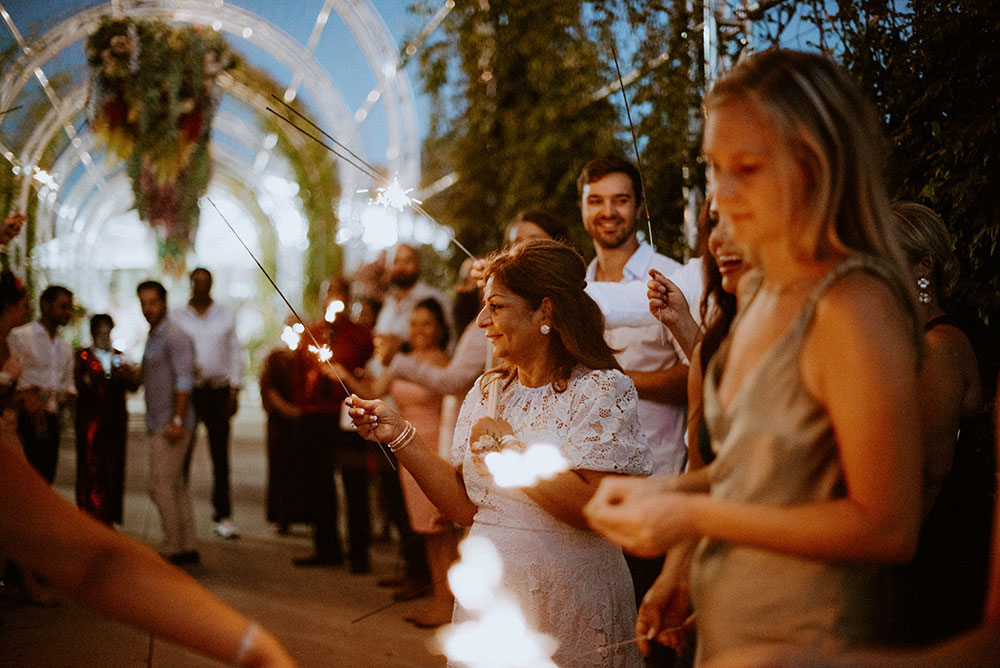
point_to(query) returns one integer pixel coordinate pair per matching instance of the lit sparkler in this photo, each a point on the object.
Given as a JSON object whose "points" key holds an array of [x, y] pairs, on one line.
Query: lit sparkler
{"points": [[399, 194], [512, 468], [321, 350], [393, 196], [322, 353], [498, 636]]}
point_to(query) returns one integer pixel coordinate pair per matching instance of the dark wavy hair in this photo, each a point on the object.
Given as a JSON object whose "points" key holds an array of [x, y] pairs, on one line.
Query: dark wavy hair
{"points": [[552, 226], [718, 307], [540, 268], [436, 310]]}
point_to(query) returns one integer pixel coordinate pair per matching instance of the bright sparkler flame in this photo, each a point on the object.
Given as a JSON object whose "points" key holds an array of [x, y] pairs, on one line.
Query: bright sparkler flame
{"points": [[393, 196], [513, 468], [335, 307], [323, 353], [291, 337], [499, 637]]}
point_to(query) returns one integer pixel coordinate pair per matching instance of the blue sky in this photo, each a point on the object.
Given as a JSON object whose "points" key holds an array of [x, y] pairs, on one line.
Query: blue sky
{"points": [[337, 51]]}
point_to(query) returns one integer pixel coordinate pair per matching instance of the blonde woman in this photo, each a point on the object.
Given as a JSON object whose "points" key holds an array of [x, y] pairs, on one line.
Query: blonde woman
{"points": [[811, 403]]}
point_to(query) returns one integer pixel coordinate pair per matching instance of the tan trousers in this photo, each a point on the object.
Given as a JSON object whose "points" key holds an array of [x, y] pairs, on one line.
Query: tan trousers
{"points": [[170, 493]]}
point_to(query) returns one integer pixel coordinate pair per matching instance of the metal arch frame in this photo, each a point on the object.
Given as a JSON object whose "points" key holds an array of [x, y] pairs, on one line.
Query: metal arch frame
{"points": [[233, 19], [361, 19], [373, 37], [83, 191]]}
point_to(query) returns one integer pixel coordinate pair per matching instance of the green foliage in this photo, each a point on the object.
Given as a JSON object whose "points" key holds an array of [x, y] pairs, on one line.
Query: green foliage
{"points": [[510, 84], [934, 71]]}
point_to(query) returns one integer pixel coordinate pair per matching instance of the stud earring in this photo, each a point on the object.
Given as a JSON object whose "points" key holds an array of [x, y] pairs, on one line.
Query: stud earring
{"points": [[544, 329], [923, 294]]}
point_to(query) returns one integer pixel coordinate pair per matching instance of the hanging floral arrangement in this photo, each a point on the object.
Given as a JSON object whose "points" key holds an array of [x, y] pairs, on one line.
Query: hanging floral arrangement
{"points": [[151, 102]]}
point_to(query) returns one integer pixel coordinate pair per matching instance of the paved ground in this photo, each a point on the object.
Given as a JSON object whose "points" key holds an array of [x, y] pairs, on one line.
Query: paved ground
{"points": [[310, 610]]}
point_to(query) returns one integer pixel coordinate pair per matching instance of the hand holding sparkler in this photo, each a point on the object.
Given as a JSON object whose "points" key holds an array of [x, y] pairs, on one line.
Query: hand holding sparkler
{"points": [[375, 419], [386, 347], [669, 305], [11, 227], [665, 611], [640, 515]]}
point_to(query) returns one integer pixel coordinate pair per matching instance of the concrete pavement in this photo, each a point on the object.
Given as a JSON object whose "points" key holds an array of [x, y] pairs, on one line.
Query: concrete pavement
{"points": [[310, 610]]}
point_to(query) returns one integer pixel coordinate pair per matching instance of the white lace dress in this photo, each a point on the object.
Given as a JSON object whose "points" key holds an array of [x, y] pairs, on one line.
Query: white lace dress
{"points": [[572, 585]]}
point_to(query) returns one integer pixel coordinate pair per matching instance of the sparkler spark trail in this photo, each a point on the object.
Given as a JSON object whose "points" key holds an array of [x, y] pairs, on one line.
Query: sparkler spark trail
{"points": [[321, 349], [367, 170]]}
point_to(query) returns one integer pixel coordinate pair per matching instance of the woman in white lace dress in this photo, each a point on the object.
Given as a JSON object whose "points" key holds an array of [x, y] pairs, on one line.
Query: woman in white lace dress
{"points": [[558, 383]]}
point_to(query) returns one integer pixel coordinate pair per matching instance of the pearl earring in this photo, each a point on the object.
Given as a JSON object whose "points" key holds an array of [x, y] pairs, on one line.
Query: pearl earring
{"points": [[544, 329]]}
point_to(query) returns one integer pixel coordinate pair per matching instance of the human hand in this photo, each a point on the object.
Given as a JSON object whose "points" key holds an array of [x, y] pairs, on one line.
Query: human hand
{"points": [[386, 347], [375, 420], [487, 426], [175, 432], [666, 301], [664, 610], [11, 227], [476, 273], [638, 515]]}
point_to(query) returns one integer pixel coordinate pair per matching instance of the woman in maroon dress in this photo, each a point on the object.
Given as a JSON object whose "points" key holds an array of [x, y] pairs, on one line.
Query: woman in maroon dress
{"points": [[102, 381]]}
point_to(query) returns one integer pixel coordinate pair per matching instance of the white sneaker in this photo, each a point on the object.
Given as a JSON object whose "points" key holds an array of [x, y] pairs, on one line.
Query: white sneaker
{"points": [[225, 528]]}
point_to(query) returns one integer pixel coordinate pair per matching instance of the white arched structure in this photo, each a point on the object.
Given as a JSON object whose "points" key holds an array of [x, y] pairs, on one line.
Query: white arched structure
{"points": [[87, 192]]}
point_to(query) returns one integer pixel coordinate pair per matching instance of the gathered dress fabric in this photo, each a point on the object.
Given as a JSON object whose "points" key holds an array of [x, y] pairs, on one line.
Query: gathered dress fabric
{"points": [[422, 407], [572, 585], [101, 424], [776, 446]]}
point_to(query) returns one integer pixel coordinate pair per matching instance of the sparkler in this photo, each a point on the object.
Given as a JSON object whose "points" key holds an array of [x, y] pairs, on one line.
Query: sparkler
{"points": [[395, 194], [10, 109], [638, 164], [322, 351]]}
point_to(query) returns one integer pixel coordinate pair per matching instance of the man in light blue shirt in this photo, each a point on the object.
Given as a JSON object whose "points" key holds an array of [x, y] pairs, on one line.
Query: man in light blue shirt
{"points": [[168, 376]]}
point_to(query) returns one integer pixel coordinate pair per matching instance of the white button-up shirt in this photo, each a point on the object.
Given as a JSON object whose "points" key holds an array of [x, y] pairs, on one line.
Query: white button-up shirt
{"points": [[651, 348], [46, 361], [219, 358]]}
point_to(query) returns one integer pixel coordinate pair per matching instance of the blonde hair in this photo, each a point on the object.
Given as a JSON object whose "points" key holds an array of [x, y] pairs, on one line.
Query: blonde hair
{"points": [[922, 233], [836, 137]]}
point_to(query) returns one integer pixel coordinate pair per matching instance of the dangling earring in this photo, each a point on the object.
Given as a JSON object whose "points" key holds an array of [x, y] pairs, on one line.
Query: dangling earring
{"points": [[544, 329], [923, 294]]}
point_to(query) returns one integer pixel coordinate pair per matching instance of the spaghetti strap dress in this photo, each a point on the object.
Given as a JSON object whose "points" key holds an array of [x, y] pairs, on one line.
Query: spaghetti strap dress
{"points": [[776, 446]]}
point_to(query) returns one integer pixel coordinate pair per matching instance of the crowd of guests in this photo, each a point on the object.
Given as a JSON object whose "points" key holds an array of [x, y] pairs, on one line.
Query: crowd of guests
{"points": [[768, 430]]}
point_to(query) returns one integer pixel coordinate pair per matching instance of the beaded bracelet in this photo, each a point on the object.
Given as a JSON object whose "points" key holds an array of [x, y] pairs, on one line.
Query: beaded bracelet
{"points": [[404, 439]]}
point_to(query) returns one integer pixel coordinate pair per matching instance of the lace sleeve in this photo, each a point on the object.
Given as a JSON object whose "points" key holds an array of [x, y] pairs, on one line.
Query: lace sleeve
{"points": [[604, 431], [473, 407]]}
